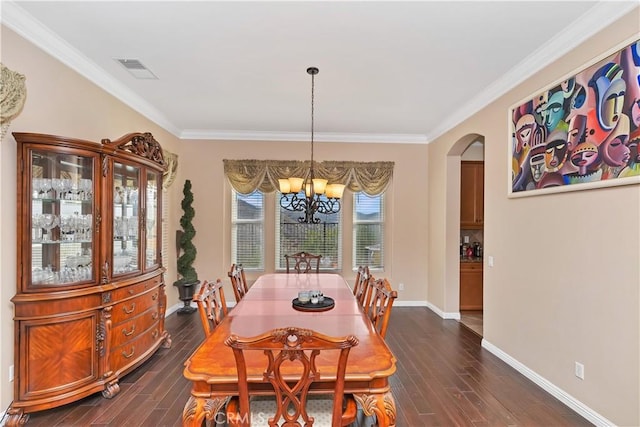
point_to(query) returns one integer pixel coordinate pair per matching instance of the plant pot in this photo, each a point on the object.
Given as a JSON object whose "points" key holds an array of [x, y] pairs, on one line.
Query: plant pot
{"points": [[186, 291]]}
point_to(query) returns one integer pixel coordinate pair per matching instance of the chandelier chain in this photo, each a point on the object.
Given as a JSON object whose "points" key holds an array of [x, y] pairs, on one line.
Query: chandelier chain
{"points": [[320, 197], [313, 81]]}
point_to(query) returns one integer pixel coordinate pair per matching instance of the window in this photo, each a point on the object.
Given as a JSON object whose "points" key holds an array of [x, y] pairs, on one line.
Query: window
{"points": [[324, 238], [368, 231], [247, 230]]}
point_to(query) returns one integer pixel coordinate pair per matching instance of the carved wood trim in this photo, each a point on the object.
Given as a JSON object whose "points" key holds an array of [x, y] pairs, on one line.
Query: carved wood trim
{"points": [[210, 407], [105, 273], [105, 165], [141, 144], [382, 405], [111, 389]]}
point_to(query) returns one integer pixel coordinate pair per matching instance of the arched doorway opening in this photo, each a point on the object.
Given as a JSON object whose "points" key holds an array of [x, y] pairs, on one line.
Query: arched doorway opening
{"points": [[464, 289]]}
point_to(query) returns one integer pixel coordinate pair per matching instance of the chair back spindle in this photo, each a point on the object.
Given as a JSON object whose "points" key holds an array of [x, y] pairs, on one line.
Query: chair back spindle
{"points": [[212, 305], [361, 284], [379, 310], [238, 281]]}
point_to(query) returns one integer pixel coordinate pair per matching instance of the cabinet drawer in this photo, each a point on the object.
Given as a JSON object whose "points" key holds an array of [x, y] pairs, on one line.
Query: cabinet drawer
{"points": [[131, 329], [136, 289], [131, 308], [132, 351], [470, 266]]}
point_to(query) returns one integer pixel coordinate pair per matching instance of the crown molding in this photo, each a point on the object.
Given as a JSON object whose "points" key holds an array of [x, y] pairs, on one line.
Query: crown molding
{"points": [[591, 22], [230, 135], [594, 20], [14, 17]]}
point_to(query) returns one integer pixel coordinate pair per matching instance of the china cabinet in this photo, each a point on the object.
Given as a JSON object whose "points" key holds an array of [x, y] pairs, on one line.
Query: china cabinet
{"points": [[90, 295], [472, 195]]}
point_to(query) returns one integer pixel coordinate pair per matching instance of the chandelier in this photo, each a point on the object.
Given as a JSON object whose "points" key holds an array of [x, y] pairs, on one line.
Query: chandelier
{"points": [[319, 196]]}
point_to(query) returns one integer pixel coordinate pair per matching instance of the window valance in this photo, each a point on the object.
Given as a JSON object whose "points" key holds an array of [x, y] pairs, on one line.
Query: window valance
{"points": [[246, 176]]}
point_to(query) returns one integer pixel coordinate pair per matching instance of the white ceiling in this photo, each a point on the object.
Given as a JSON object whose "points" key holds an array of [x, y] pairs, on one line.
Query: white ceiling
{"points": [[389, 71]]}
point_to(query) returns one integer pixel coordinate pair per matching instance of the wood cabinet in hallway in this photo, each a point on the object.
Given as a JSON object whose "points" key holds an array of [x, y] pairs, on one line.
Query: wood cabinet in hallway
{"points": [[472, 194]]}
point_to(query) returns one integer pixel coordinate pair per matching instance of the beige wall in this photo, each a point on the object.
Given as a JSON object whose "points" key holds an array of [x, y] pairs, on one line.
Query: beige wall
{"points": [[556, 295], [405, 253], [566, 282]]}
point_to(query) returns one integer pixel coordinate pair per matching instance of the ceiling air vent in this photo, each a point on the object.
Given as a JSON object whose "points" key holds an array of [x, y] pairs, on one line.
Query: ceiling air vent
{"points": [[136, 68]]}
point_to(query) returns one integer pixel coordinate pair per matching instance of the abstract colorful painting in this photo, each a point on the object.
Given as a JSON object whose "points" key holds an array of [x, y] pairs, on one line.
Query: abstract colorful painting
{"points": [[582, 132]]}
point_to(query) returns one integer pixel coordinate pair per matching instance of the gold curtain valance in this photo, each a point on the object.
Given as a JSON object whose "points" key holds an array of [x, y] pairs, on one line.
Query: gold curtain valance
{"points": [[169, 175], [246, 176]]}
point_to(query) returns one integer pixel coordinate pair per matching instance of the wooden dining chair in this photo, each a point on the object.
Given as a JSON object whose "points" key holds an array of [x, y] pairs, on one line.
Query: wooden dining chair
{"points": [[379, 309], [212, 305], [238, 281], [361, 284], [286, 351], [367, 293], [303, 262]]}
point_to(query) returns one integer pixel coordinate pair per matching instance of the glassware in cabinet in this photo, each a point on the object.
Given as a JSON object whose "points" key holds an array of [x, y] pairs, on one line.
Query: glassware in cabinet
{"points": [[126, 218], [61, 191]]}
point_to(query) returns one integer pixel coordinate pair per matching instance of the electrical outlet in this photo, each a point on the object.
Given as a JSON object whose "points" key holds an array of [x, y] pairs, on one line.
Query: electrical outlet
{"points": [[580, 370], [401, 286], [10, 373]]}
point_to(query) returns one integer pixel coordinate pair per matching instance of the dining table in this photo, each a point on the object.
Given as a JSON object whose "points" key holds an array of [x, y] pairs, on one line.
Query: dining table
{"points": [[269, 304]]}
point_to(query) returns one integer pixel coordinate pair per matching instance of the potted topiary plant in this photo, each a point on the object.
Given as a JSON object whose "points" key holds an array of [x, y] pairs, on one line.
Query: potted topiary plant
{"points": [[187, 276]]}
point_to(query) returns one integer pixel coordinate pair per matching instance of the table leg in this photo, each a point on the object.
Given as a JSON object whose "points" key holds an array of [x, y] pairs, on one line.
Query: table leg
{"points": [[382, 405], [197, 409]]}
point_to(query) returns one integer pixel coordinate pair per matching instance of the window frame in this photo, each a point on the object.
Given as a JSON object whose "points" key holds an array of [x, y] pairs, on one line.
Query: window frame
{"points": [[354, 236], [235, 221], [279, 261]]}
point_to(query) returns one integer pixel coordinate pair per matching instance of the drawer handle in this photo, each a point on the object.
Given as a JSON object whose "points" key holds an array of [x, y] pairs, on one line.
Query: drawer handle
{"points": [[130, 355], [131, 292], [128, 333], [155, 296], [133, 307], [154, 316], [154, 333]]}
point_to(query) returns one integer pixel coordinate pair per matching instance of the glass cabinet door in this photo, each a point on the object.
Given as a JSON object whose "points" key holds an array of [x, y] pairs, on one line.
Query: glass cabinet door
{"points": [[126, 222], [151, 220], [62, 192]]}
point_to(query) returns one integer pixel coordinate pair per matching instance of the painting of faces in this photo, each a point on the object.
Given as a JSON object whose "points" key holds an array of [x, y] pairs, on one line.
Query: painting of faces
{"points": [[583, 130]]}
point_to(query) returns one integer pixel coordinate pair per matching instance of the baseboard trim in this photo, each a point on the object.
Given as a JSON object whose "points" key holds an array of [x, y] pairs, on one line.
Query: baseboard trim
{"points": [[176, 307], [443, 314], [398, 303], [573, 403]]}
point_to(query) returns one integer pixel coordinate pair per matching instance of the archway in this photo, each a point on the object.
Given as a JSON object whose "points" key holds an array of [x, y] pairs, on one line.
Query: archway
{"points": [[454, 159]]}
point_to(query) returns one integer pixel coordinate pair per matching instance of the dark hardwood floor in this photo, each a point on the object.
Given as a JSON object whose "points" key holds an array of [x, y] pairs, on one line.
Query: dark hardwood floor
{"points": [[444, 378]]}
